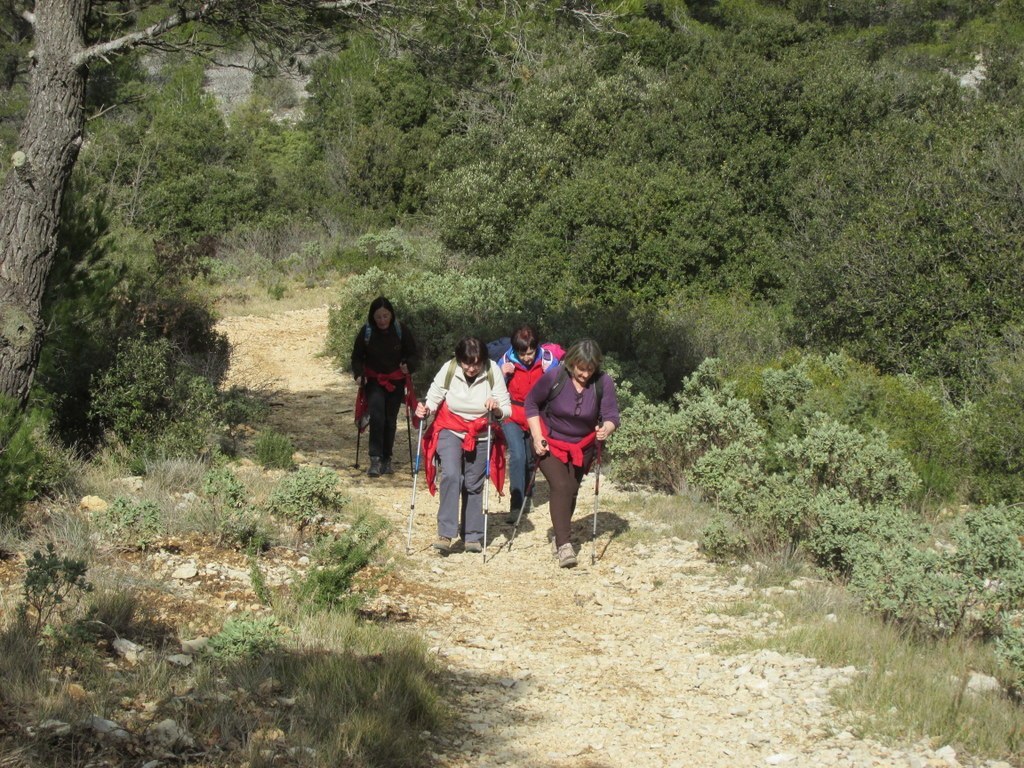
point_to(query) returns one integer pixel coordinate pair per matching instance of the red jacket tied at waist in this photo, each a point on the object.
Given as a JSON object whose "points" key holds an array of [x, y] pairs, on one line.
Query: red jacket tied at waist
{"points": [[445, 419], [386, 380], [566, 452]]}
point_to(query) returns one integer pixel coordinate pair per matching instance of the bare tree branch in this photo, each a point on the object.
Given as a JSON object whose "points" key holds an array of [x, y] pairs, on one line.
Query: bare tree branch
{"points": [[149, 34]]}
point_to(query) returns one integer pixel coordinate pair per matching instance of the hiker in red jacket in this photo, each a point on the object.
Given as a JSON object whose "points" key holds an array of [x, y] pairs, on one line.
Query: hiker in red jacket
{"points": [[383, 356], [570, 410], [525, 361]]}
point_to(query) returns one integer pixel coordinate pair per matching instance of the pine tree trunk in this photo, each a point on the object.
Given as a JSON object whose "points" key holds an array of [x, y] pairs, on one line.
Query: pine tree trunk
{"points": [[33, 190]]}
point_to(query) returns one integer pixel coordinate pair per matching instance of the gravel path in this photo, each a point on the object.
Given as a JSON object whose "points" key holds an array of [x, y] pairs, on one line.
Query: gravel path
{"points": [[617, 664]]}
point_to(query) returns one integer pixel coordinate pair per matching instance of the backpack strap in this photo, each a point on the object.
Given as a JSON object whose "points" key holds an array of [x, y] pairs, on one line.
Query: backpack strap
{"points": [[450, 374]]}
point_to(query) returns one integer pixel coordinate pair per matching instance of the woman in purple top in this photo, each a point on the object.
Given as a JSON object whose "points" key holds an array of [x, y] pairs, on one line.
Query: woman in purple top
{"points": [[569, 410]]}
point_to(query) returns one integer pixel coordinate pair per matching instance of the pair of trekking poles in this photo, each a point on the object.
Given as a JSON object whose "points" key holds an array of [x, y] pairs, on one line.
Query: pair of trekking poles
{"points": [[527, 495]]}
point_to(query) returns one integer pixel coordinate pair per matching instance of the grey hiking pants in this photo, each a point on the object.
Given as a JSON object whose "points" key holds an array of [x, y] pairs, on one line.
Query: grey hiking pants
{"points": [[462, 485]]}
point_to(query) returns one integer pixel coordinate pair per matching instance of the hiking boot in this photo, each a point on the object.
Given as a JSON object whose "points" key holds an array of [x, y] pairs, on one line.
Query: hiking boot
{"points": [[386, 468], [374, 470], [474, 546], [566, 556], [443, 545]]}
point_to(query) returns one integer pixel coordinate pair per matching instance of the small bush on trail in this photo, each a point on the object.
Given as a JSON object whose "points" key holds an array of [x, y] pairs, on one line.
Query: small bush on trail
{"points": [[245, 638], [721, 541], [274, 450], [237, 522], [305, 495], [132, 522], [337, 561], [52, 588]]}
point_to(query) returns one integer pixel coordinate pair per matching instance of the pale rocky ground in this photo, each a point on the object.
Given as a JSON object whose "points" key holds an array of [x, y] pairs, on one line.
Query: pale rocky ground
{"points": [[614, 664]]}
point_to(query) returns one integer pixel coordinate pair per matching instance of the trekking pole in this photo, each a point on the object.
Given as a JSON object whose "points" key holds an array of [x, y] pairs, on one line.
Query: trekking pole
{"points": [[487, 482], [527, 498], [415, 474], [597, 489]]}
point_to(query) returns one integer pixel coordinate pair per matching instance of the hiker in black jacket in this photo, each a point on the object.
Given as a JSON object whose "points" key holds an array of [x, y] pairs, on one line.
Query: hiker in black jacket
{"points": [[383, 356]]}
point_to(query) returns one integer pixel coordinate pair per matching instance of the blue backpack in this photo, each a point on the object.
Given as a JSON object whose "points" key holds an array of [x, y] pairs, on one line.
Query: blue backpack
{"points": [[496, 349]]}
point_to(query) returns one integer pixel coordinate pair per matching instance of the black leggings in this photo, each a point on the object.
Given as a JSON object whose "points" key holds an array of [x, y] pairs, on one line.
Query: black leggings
{"points": [[384, 408]]}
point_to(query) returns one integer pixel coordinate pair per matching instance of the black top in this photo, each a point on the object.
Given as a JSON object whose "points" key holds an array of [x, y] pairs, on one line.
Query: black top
{"points": [[384, 351]]}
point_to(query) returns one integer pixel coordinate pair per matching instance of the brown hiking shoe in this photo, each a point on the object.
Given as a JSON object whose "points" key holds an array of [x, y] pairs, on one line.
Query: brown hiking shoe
{"points": [[474, 546], [443, 545], [566, 556]]}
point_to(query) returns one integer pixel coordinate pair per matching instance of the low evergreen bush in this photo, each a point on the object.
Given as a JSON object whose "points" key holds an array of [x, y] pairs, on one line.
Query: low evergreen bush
{"points": [[131, 522], [661, 446], [337, 561], [237, 522], [274, 450], [248, 637], [24, 464], [307, 494], [154, 403]]}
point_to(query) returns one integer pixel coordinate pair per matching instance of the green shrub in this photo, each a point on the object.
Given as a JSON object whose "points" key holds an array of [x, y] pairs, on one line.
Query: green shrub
{"points": [[52, 588], [223, 489], [832, 455], [1009, 649], [305, 495], [22, 462], [248, 637], [919, 422], [274, 450], [154, 403], [336, 563], [986, 560], [675, 336], [136, 523], [721, 541], [661, 447], [237, 522], [971, 585], [996, 434], [838, 526]]}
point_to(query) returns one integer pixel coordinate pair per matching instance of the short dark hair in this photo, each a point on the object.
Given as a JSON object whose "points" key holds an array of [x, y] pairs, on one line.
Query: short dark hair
{"points": [[585, 353], [525, 338], [471, 350]]}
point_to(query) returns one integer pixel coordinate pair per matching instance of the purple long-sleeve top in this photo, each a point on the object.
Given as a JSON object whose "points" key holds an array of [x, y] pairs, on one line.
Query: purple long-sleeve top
{"points": [[572, 415]]}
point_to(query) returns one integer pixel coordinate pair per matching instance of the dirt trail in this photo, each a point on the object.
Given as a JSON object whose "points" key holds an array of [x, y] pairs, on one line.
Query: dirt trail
{"points": [[609, 665]]}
